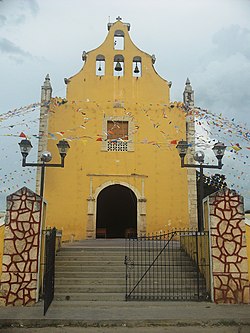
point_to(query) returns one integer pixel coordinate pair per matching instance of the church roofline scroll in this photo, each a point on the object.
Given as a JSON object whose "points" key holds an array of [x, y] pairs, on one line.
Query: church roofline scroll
{"points": [[124, 28]]}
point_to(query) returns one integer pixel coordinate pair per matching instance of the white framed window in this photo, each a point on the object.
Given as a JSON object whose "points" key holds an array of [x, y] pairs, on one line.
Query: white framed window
{"points": [[118, 134]]}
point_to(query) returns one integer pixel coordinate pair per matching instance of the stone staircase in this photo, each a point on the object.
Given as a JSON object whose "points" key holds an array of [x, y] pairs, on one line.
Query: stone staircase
{"points": [[90, 271]]}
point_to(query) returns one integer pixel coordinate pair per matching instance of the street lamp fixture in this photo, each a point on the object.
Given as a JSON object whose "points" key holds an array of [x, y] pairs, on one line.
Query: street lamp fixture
{"points": [[26, 146], [63, 147], [219, 150]]}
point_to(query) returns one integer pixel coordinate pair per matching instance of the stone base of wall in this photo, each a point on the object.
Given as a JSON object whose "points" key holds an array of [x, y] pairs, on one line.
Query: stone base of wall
{"points": [[228, 248], [18, 289], [231, 288]]}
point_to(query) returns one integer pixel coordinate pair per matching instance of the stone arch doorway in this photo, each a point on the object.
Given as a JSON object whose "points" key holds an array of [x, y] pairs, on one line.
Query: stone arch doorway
{"points": [[116, 215]]}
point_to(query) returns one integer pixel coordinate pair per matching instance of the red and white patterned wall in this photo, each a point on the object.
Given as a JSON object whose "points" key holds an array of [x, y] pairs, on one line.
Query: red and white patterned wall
{"points": [[20, 273], [228, 248]]}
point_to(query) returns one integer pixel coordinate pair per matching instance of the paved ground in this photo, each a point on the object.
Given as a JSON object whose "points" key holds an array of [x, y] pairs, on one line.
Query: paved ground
{"points": [[199, 329], [129, 314]]}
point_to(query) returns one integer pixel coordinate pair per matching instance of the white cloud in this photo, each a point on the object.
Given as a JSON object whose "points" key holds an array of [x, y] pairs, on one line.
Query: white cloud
{"points": [[224, 86], [232, 40], [16, 12], [13, 50], [2, 20], [13, 14], [223, 74]]}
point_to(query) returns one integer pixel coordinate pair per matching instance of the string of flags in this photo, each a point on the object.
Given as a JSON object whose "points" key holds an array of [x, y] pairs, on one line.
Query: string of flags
{"points": [[235, 135], [228, 126], [200, 115]]}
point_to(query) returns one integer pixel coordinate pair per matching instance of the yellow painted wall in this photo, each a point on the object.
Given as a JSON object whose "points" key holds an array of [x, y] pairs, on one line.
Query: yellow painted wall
{"points": [[86, 85], [153, 120]]}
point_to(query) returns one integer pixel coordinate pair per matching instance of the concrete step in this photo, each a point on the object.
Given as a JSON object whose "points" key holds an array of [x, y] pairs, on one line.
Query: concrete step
{"points": [[89, 296], [91, 258], [89, 275], [116, 274], [90, 288], [117, 251], [94, 304], [106, 250], [121, 281], [96, 250], [94, 280], [167, 297], [93, 262], [86, 256], [74, 266], [110, 262], [95, 269], [113, 297], [99, 269], [142, 288]]}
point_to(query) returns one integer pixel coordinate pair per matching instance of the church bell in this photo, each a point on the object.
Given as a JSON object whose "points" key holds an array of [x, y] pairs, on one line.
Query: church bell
{"points": [[136, 70], [118, 67]]}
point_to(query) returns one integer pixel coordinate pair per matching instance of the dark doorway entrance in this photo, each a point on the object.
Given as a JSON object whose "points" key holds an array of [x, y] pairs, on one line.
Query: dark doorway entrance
{"points": [[116, 212]]}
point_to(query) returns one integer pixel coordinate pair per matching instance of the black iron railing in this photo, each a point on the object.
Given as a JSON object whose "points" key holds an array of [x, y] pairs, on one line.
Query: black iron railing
{"points": [[49, 273], [171, 266]]}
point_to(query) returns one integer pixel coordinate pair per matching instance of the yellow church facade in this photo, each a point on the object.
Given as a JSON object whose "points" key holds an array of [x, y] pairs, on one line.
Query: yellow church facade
{"points": [[122, 173]]}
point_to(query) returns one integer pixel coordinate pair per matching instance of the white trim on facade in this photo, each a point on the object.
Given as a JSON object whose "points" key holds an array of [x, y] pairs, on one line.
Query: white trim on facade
{"points": [[92, 207]]}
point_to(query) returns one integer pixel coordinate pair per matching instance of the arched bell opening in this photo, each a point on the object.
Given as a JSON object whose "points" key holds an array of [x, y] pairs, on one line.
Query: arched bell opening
{"points": [[100, 65], [119, 40], [137, 68], [118, 65]]}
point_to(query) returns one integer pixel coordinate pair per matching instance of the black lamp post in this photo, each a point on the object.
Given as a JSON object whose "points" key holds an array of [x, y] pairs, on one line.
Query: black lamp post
{"points": [[219, 150], [25, 147]]}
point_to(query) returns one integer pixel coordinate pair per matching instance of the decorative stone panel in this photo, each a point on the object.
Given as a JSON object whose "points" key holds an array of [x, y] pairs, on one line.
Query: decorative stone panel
{"points": [[228, 248], [20, 274]]}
